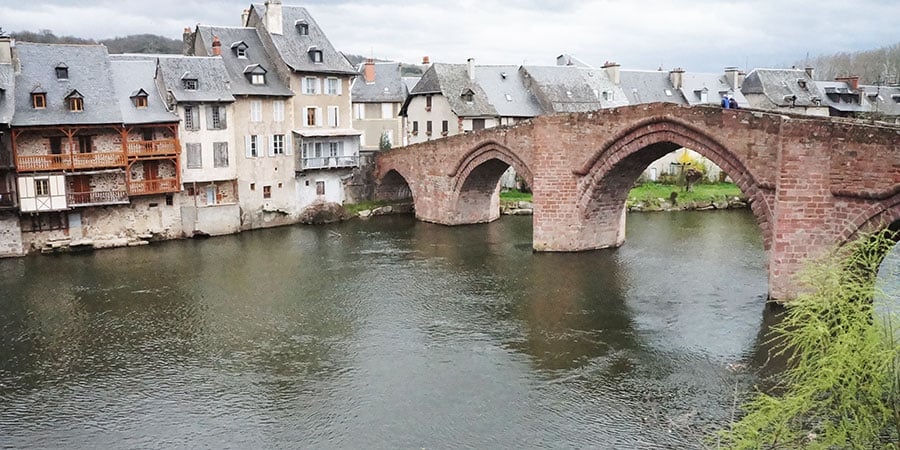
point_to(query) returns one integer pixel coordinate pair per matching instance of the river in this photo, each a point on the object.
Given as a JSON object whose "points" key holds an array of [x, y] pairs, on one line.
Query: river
{"points": [[386, 333]]}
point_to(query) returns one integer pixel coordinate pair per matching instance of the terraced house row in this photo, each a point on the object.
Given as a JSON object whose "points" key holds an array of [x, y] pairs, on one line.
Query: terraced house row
{"points": [[245, 130]]}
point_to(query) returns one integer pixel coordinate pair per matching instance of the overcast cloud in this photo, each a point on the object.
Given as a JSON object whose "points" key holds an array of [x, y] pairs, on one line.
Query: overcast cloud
{"points": [[698, 35]]}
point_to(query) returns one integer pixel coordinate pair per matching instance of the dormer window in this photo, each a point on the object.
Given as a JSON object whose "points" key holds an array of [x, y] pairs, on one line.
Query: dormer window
{"points": [[62, 71], [38, 100], [75, 101], [802, 83], [139, 99], [315, 55], [468, 96], [302, 27], [240, 49], [256, 74], [189, 84]]}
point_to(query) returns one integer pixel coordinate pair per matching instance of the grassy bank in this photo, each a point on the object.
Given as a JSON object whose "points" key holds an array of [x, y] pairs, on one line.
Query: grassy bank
{"points": [[655, 193]]}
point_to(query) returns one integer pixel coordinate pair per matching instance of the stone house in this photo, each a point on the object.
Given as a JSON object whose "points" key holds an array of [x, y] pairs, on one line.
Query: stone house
{"points": [[786, 90], [378, 94], [319, 76], [95, 150], [198, 90], [846, 97]]}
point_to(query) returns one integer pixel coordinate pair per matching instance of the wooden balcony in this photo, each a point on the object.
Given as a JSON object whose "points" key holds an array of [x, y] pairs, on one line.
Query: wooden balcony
{"points": [[329, 162], [69, 161], [162, 147], [150, 187], [96, 198]]}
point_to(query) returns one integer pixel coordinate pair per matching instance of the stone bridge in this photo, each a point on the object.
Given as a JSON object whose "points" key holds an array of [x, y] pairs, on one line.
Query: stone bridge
{"points": [[813, 183]]}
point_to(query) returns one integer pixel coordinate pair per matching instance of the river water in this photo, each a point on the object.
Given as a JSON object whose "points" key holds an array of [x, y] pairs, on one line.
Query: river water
{"points": [[387, 333]]}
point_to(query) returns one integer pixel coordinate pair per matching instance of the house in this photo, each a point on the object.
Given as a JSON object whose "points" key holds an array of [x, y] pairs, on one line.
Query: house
{"points": [[846, 97], [378, 95], [198, 89], [574, 88], [786, 90], [709, 88], [320, 78], [88, 134], [646, 86], [260, 124], [10, 230]]}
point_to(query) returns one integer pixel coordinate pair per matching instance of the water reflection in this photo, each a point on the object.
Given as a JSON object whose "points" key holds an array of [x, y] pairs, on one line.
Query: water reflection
{"points": [[383, 334]]}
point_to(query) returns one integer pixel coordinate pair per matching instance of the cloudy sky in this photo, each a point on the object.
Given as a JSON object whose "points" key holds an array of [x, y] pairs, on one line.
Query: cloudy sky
{"points": [[699, 35]]}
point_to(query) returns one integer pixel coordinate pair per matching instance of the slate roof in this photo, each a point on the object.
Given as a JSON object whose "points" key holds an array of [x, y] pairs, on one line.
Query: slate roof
{"points": [[644, 86], [840, 96], [451, 81], [235, 66], [213, 84], [693, 83], [777, 85], [131, 78], [293, 48], [387, 88], [883, 99], [7, 93], [573, 88], [89, 73], [505, 90]]}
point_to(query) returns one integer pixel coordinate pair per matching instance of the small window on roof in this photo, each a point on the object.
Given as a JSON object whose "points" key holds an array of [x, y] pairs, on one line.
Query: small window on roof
{"points": [[190, 84], [75, 101], [39, 100], [302, 27], [62, 71], [668, 92], [139, 99], [468, 95], [315, 55], [240, 49], [258, 78]]}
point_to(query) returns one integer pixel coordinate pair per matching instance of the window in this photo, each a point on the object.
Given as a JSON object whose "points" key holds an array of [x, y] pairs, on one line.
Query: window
{"points": [[278, 111], [220, 154], [42, 187], [76, 104], [278, 144], [477, 124], [415, 129], [241, 51], [256, 111], [62, 72], [320, 188], [267, 191], [428, 128], [387, 110], [191, 117], [215, 117], [189, 84], [335, 149], [84, 144], [427, 103], [258, 78], [252, 186], [140, 101], [445, 127], [359, 111], [315, 55], [469, 96], [313, 116], [311, 85], [252, 146], [39, 100], [333, 86], [302, 28], [194, 156], [333, 117], [55, 145]]}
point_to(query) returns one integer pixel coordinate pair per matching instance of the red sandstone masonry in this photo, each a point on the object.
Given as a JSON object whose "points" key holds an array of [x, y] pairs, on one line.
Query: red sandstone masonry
{"points": [[813, 182]]}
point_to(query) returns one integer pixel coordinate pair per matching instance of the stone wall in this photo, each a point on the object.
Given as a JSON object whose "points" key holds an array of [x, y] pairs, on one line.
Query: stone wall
{"points": [[10, 235]]}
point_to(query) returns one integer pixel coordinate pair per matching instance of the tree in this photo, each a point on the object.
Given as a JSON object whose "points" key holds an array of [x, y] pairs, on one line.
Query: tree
{"points": [[385, 142], [842, 387]]}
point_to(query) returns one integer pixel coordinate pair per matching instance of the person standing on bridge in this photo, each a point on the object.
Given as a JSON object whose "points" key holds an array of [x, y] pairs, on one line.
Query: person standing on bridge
{"points": [[725, 103], [732, 102]]}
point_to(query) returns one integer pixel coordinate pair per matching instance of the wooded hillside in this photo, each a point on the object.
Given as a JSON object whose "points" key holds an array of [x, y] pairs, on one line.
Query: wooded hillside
{"points": [[136, 43], [879, 66]]}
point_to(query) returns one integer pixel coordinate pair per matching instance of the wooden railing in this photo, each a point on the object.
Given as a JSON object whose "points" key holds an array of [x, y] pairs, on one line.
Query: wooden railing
{"points": [[69, 161], [153, 148], [329, 162], [96, 198], [158, 186]]}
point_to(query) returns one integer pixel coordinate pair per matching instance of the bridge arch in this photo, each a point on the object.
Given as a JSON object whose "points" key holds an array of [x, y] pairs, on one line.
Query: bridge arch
{"points": [[393, 186], [474, 189], [875, 217], [610, 173]]}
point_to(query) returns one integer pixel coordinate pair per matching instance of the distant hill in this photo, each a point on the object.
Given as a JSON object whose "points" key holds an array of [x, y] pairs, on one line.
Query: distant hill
{"points": [[878, 66], [406, 70], [136, 43]]}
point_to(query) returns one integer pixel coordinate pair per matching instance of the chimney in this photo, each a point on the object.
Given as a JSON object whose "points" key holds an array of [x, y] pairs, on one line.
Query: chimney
{"points": [[471, 68], [426, 61], [676, 75], [370, 70], [6, 44], [612, 71], [811, 72], [216, 46], [274, 19], [852, 81], [563, 60], [187, 42], [733, 78], [244, 16]]}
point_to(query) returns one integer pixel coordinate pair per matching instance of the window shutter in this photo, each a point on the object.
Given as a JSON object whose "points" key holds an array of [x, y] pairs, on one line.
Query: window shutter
{"points": [[195, 114], [222, 122], [271, 139], [288, 145], [209, 116], [340, 86], [247, 146], [332, 116], [319, 86], [318, 117]]}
